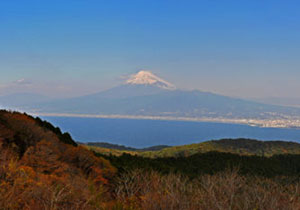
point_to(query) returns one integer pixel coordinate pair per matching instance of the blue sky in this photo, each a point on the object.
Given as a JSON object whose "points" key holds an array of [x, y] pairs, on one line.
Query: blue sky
{"points": [[72, 47]]}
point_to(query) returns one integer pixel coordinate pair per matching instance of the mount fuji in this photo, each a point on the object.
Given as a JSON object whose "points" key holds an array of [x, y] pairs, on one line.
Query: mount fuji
{"points": [[140, 84], [148, 78], [145, 94]]}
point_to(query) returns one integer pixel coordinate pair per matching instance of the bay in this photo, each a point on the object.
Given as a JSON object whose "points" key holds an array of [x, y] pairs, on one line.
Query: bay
{"points": [[146, 133]]}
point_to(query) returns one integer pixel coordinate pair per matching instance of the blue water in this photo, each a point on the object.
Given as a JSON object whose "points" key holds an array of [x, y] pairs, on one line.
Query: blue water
{"points": [[145, 133]]}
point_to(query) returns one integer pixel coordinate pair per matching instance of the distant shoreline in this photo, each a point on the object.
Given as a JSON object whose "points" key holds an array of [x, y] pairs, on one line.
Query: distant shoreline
{"points": [[272, 123]]}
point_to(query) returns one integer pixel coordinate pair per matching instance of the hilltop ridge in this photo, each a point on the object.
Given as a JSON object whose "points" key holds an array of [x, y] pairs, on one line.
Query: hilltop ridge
{"points": [[233, 146]]}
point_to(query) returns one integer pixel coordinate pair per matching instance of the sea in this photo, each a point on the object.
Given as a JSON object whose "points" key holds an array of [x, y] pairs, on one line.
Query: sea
{"points": [[145, 133]]}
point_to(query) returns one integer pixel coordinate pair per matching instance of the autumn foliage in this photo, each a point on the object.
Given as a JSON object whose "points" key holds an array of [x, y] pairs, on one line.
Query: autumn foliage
{"points": [[39, 171]]}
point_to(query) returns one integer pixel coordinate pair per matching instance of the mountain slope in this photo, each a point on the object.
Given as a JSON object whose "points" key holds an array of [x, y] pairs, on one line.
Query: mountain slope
{"points": [[145, 94], [149, 101]]}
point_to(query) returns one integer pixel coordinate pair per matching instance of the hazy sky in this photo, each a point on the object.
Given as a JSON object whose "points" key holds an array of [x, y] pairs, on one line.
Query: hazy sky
{"points": [[238, 48]]}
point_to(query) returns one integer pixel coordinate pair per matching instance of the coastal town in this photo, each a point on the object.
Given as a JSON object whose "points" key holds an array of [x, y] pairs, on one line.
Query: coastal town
{"points": [[274, 122]]}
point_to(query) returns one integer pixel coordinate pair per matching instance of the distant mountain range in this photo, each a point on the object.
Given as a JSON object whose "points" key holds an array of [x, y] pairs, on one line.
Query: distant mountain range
{"points": [[145, 94]]}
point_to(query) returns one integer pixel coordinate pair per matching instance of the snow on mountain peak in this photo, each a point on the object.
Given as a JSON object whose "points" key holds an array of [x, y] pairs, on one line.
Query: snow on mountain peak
{"points": [[148, 78]]}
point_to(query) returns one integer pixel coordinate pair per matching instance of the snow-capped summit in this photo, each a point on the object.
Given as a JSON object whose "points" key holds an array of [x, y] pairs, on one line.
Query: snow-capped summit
{"points": [[148, 78]]}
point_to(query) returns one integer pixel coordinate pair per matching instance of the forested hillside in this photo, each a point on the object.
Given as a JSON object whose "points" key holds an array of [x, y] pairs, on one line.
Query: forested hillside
{"points": [[42, 168]]}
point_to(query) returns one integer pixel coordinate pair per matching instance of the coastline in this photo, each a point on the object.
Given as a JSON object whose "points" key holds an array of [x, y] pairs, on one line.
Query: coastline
{"points": [[272, 123]]}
